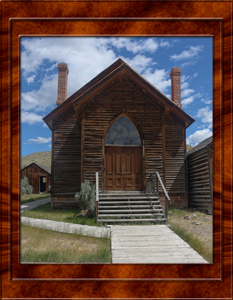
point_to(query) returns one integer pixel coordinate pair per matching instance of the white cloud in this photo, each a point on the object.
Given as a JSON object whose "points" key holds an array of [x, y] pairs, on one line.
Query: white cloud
{"points": [[135, 45], [139, 62], [187, 101], [30, 118], [190, 63], [30, 79], [195, 74], [205, 115], [184, 85], [187, 54], [183, 78], [186, 92], [206, 101], [39, 140], [199, 136], [159, 78], [85, 57], [164, 44]]}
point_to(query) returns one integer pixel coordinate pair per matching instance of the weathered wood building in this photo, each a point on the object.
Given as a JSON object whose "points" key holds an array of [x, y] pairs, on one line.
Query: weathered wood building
{"points": [[121, 126], [200, 173], [38, 177]]}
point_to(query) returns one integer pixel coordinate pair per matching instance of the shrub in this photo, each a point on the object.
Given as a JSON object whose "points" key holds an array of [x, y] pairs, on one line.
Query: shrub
{"points": [[25, 187], [86, 198]]}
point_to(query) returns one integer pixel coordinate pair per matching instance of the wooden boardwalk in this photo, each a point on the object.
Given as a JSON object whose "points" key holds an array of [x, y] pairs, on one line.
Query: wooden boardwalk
{"points": [[152, 244]]}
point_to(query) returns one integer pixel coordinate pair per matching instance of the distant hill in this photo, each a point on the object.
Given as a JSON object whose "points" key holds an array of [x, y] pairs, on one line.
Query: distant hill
{"points": [[188, 147], [43, 158]]}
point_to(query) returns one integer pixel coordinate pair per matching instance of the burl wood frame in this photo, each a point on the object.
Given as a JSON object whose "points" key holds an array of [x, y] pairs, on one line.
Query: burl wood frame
{"points": [[59, 281]]}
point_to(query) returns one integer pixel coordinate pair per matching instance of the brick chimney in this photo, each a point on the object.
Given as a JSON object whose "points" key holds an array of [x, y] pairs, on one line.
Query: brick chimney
{"points": [[175, 86], [63, 72]]}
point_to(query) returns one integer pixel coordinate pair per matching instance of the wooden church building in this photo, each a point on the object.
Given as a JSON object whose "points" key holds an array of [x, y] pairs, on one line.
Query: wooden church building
{"points": [[122, 127]]}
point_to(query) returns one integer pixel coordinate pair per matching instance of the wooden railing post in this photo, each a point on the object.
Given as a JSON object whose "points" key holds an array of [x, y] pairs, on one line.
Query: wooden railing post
{"points": [[166, 203], [96, 194]]}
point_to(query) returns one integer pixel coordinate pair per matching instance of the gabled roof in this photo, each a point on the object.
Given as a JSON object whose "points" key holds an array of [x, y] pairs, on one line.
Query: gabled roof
{"points": [[118, 68], [46, 169], [202, 145]]}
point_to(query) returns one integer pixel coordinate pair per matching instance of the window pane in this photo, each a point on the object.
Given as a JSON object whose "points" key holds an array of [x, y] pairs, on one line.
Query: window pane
{"points": [[128, 140], [129, 126], [134, 134], [137, 142], [119, 140], [123, 132], [116, 126], [112, 134], [109, 141], [123, 120]]}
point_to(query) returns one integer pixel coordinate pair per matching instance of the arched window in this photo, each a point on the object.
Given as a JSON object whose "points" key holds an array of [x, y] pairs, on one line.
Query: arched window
{"points": [[123, 133]]}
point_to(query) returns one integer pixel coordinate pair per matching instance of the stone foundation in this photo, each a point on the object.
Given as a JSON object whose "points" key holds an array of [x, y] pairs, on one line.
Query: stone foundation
{"points": [[177, 201], [64, 200]]}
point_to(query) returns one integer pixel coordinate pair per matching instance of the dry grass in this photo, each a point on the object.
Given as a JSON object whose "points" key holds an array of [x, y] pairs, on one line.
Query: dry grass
{"points": [[199, 237], [33, 197], [61, 215], [40, 245]]}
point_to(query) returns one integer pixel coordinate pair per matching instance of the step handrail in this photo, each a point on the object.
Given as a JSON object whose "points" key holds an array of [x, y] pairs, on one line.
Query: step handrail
{"points": [[96, 194], [162, 185], [164, 190]]}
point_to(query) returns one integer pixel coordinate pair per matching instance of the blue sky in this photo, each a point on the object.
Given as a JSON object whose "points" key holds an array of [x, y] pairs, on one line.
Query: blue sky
{"points": [[153, 58]]}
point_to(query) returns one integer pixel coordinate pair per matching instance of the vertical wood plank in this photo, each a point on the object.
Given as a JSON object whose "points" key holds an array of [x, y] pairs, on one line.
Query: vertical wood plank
{"points": [[82, 145]]}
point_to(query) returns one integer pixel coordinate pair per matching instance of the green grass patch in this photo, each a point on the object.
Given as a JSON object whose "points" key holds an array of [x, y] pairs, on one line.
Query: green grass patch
{"points": [[46, 246], [61, 215], [32, 197], [196, 244]]}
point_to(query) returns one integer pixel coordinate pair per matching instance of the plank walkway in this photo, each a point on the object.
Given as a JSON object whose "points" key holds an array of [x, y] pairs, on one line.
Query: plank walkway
{"points": [[152, 244]]}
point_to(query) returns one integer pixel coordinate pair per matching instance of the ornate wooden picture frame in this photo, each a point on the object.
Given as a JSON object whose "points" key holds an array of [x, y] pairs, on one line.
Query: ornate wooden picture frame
{"points": [[100, 281]]}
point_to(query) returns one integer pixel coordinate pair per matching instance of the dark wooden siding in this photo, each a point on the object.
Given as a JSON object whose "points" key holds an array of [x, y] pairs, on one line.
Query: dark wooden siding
{"points": [[199, 179], [174, 155], [66, 162], [33, 173], [149, 117]]}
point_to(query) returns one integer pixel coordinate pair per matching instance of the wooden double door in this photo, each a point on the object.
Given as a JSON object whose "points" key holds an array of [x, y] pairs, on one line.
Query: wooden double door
{"points": [[123, 168]]}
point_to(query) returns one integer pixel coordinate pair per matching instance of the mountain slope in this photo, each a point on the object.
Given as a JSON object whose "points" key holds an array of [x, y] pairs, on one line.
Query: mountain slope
{"points": [[43, 158]]}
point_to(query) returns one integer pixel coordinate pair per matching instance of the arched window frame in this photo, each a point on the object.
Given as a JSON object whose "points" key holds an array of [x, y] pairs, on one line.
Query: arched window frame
{"points": [[135, 123], [123, 132]]}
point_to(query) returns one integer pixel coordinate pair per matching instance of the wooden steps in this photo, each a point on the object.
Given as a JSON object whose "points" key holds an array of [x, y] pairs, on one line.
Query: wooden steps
{"points": [[118, 207]]}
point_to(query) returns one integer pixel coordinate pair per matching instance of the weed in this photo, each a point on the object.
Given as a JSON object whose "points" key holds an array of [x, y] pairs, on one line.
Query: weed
{"points": [[196, 244], [40, 245]]}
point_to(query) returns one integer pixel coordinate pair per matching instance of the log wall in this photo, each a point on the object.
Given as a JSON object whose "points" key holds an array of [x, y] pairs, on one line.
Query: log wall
{"points": [[66, 161], [200, 179], [33, 173], [175, 145], [78, 148], [127, 97]]}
